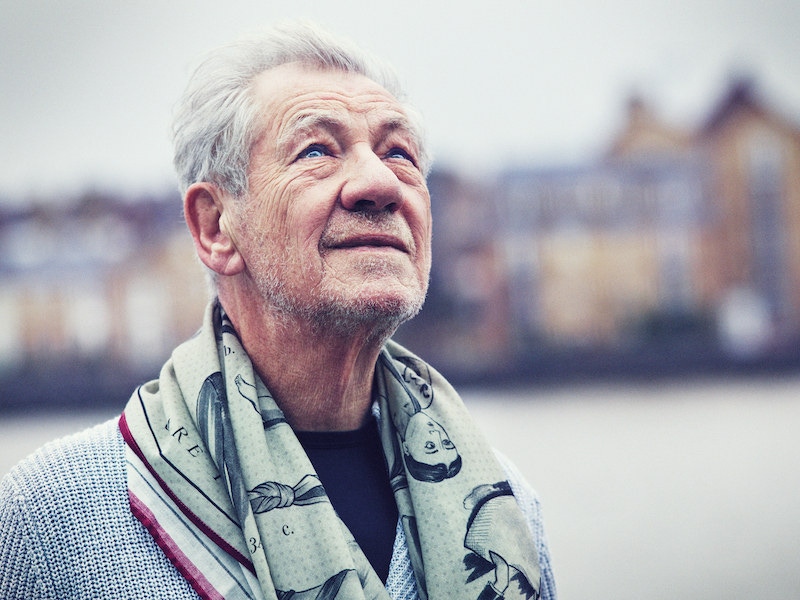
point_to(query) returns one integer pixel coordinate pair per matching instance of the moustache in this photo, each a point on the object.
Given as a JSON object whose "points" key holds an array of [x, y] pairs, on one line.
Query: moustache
{"points": [[367, 229]]}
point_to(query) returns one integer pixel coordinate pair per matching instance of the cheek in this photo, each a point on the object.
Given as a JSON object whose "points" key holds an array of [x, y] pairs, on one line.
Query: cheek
{"points": [[425, 258], [308, 210], [420, 220], [288, 215]]}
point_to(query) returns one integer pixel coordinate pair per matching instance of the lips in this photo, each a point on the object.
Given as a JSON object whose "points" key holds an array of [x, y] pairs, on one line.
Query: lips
{"points": [[367, 231], [367, 240]]}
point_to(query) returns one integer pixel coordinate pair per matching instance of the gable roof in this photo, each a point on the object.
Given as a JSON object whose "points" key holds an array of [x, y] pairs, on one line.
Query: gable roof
{"points": [[740, 97]]}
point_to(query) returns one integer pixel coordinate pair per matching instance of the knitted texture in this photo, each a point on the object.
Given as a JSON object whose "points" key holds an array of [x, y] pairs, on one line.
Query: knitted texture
{"points": [[532, 509], [401, 582], [67, 532]]}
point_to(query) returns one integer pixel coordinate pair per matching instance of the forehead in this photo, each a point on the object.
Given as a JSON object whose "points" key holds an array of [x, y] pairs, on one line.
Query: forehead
{"points": [[292, 92]]}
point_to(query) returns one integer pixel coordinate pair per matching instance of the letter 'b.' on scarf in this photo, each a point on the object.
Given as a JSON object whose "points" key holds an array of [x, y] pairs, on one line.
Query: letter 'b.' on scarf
{"points": [[219, 479]]}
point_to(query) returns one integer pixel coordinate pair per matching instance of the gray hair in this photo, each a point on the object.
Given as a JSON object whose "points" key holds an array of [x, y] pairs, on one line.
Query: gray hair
{"points": [[215, 122]]}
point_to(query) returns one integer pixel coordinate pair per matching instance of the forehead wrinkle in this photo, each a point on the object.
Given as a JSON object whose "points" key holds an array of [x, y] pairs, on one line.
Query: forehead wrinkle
{"points": [[330, 122]]}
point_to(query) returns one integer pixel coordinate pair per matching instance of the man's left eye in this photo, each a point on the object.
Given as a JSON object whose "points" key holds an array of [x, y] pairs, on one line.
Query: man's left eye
{"points": [[399, 153]]}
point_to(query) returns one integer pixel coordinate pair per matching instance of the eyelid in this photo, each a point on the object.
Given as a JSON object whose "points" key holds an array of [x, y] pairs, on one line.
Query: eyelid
{"points": [[316, 146], [407, 154]]}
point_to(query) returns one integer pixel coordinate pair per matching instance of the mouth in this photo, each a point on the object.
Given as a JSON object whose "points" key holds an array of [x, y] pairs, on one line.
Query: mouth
{"points": [[367, 241]]}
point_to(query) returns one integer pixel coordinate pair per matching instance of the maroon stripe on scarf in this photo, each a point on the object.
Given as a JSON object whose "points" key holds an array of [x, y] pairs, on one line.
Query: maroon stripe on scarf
{"points": [[186, 567], [213, 535]]}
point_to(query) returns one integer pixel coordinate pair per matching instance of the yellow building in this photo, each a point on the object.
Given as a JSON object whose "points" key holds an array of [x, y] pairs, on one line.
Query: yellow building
{"points": [[753, 157]]}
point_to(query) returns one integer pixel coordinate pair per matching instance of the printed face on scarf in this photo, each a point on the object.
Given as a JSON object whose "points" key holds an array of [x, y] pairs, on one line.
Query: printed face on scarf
{"points": [[336, 224], [427, 442]]}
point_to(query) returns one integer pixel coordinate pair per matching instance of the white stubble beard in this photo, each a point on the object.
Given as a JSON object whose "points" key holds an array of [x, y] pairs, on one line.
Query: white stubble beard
{"points": [[330, 308]]}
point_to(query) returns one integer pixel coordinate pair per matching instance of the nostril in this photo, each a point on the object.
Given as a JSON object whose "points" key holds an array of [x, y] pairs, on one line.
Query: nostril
{"points": [[366, 205]]}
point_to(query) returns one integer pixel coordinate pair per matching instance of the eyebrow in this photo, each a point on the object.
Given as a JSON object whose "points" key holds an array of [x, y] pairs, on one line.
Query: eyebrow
{"points": [[307, 122], [406, 128], [329, 122]]}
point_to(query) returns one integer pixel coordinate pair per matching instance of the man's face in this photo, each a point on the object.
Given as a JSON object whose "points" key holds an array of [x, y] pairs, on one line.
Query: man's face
{"points": [[336, 225]]}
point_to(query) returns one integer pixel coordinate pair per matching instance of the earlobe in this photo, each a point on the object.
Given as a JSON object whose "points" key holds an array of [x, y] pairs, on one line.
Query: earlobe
{"points": [[204, 209]]}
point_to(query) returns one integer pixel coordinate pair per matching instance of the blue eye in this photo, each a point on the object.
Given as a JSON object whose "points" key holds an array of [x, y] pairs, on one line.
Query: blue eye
{"points": [[399, 153], [314, 151]]}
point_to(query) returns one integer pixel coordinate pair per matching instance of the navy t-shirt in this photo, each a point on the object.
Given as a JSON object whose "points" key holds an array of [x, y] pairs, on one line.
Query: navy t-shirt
{"points": [[353, 472]]}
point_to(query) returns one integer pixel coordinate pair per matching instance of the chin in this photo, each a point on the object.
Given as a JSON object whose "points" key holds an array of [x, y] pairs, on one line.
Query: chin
{"points": [[380, 314]]}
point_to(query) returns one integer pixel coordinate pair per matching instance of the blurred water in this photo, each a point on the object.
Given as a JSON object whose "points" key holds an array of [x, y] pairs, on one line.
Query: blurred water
{"points": [[655, 493], [650, 493]]}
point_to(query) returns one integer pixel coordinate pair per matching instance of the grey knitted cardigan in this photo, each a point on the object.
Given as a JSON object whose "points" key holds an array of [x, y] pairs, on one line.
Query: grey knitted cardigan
{"points": [[67, 532]]}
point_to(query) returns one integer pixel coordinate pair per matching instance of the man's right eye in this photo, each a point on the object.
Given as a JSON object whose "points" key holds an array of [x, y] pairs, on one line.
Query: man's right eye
{"points": [[314, 151]]}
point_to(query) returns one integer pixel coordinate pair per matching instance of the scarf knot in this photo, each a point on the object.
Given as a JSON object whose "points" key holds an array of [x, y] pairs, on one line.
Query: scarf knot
{"points": [[273, 494]]}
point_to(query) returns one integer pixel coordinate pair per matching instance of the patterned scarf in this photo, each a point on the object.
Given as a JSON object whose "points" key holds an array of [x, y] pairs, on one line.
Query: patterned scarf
{"points": [[217, 476]]}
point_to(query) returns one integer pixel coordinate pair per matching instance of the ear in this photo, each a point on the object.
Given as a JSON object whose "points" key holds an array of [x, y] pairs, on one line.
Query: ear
{"points": [[204, 206]]}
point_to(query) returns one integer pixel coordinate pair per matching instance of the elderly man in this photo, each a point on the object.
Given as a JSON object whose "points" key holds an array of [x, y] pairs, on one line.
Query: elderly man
{"points": [[290, 449]]}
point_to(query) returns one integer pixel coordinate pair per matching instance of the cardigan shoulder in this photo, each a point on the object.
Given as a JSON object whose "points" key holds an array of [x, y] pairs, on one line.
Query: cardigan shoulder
{"points": [[64, 511]]}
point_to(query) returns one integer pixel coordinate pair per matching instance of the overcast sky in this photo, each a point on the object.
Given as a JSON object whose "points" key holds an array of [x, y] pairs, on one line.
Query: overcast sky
{"points": [[87, 87]]}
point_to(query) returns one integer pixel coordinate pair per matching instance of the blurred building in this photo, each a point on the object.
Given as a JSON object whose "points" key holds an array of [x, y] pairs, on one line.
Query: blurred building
{"points": [[96, 280], [752, 266], [673, 233]]}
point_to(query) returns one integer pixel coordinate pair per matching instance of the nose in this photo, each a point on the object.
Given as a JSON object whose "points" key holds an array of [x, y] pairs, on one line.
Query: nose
{"points": [[370, 185]]}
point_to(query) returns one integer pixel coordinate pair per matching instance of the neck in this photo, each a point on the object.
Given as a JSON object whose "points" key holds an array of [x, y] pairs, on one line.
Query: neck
{"points": [[321, 379]]}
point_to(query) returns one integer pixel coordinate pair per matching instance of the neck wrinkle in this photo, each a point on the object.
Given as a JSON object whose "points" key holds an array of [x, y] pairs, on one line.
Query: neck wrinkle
{"points": [[321, 380]]}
